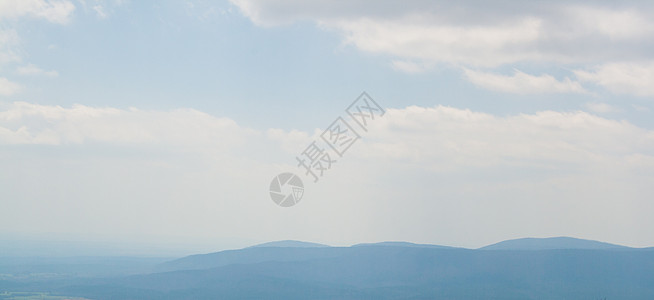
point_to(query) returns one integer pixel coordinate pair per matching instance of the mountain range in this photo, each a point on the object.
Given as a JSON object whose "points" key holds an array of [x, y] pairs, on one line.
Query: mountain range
{"points": [[552, 268]]}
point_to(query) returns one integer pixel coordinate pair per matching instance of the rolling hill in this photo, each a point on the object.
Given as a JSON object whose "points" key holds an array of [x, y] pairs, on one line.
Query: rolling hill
{"points": [[552, 243], [557, 268]]}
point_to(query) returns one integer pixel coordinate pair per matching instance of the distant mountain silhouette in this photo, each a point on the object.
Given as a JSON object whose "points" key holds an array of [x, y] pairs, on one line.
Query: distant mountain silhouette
{"points": [[552, 268], [551, 244], [248, 255], [273, 251], [397, 272], [290, 243], [286, 251], [402, 244]]}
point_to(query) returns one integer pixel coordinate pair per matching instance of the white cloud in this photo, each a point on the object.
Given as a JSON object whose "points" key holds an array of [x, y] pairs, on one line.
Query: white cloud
{"points": [[640, 108], [445, 138], [622, 78], [420, 35], [475, 33], [25, 123], [438, 167], [522, 83], [468, 45], [290, 141], [31, 69], [442, 134], [616, 24], [409, 66], [100, 11], [9, 46], [53, 11], [601, 107], [8, 88]]}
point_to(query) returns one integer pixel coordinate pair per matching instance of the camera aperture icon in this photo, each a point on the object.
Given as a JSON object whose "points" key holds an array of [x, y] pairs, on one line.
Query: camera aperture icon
{"points": [[286, 189]]}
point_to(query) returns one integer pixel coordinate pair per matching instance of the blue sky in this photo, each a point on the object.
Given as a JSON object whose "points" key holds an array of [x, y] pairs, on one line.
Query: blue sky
{"points": [[499, 114], [209, 56]]}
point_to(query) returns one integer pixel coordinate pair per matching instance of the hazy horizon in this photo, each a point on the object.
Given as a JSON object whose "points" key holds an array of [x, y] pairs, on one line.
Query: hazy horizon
{"points": [[41, 246]]}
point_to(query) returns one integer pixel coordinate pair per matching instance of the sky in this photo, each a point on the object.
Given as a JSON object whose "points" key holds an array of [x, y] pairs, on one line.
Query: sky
{"points": [[163, 122]]}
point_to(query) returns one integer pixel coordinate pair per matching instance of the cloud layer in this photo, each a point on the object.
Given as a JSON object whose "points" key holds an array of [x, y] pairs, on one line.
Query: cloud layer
{"points": [[26, 123], [622, 78], [475, 33], [31, 69], [420, 35], [7, 87], [421, 167], [56, 11], [420, 134], [522, 83]]}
